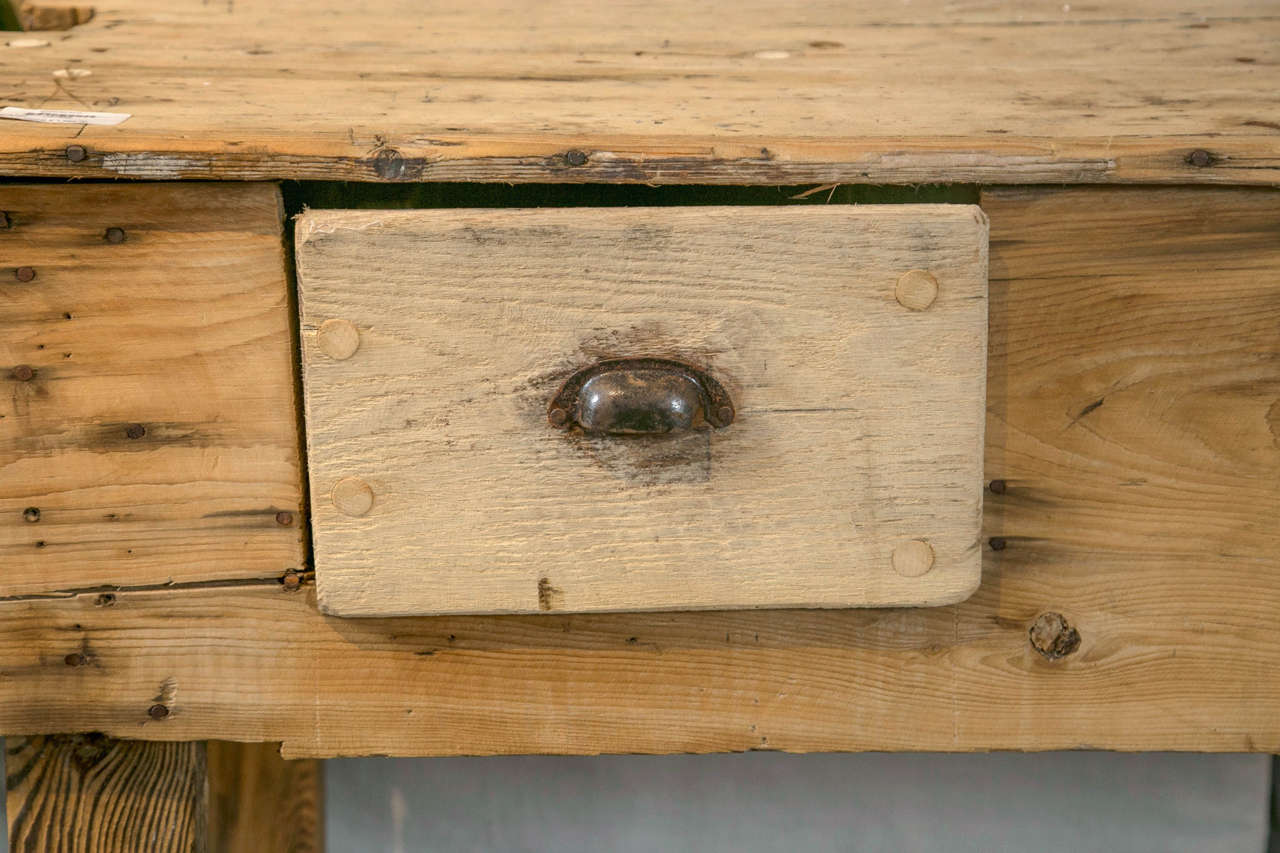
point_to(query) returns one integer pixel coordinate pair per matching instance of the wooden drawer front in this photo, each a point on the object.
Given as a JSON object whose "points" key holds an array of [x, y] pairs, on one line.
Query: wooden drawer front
{"points": [[851, 474]]}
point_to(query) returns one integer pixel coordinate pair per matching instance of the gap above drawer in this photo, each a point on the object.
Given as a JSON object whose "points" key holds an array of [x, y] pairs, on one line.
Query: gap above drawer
{"points": [[851, 475]]}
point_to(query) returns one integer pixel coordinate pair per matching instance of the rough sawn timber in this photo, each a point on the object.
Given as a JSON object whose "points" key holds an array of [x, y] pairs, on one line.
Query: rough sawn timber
{"points": [[857, 437], [656, 92], [261, 803], [1133, 417], [148, 429], [89, 793]]}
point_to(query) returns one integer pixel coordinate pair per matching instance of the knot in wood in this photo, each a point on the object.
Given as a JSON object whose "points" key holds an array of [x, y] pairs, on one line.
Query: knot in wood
{"points": [[388, 164], [1053, 637], [88, 750]]}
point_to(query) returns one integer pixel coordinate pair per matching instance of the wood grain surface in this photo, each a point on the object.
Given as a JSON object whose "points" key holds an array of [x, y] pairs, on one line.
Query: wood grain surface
{"points": [[94, 794], [1132, 425], [656, 92], [261, 803], [90, 793], [851, 339], [147, 429]]}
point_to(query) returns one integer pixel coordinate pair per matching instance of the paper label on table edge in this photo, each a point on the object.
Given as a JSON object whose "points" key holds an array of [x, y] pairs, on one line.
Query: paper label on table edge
{"points": [[62, 116]]}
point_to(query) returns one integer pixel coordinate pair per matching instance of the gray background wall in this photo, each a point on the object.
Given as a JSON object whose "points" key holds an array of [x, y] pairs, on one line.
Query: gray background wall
{"points": [[1048, 802]]}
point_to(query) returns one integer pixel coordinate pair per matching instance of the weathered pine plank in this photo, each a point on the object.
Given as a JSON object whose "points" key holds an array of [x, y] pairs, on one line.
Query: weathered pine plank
{"points": [[856, 441], [1132, 418], [657, 92], [261, 803], [148, 433], [95, 794]]}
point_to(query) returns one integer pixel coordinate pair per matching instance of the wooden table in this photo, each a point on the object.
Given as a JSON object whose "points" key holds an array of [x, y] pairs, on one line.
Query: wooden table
{"points": [[157, 587]]}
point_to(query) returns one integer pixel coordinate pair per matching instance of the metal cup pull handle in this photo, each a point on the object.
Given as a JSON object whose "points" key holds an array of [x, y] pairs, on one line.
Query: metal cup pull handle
{"points": [[640, 396]]}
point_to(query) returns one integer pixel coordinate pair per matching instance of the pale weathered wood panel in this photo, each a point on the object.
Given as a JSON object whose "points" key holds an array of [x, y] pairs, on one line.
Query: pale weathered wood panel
{"points": [[148, 433], [89, 793], [858, 433], [1146, 521], [657, 92], [261, 803]]}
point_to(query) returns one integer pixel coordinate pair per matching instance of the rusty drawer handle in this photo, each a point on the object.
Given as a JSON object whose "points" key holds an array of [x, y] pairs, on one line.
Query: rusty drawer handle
{"points": [[640, 396]]}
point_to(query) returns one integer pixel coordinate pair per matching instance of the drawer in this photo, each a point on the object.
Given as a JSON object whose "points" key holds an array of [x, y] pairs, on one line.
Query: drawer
{"points": [[644, 408]]}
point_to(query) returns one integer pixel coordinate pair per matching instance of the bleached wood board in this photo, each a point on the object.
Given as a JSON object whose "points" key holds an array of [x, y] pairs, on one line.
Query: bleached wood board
{"points": [[656, 91], [156, 438], [859, 421], [1146, 521]]}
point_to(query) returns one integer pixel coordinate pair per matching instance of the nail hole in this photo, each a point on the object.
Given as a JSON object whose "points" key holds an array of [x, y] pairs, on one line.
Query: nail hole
{"points": [[31, 514], [135, 431], [1201, 158], [114, 235], [158, 711]]}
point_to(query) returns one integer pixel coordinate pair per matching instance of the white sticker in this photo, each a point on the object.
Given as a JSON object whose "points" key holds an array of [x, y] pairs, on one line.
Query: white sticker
{"points": [[62, 116]]}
